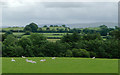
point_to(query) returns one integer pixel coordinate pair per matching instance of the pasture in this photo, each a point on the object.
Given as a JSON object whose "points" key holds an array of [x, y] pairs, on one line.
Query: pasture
{"points": [[59, 65]]}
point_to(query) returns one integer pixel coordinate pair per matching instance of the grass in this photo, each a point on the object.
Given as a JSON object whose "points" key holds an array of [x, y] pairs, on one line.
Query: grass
{"points": [[53, 40], [0, 65], [12, 28], [60, 65]]}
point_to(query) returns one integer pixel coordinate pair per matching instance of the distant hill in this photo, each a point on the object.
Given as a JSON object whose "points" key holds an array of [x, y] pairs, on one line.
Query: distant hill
{"points": [[78, 25], [85, 25]]}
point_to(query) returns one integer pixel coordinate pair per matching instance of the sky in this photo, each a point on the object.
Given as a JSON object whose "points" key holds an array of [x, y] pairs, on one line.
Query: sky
{"points": [[23, 12]]}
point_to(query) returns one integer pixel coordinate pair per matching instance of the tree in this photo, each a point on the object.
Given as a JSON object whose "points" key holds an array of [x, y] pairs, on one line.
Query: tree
{"points": [[92, 36], [17, 51], [63, 26], [80, 53], [55, 25], [66, 38], [24, 42], [68, 53], [104, 30], [45, 26], [31, 27], [115, 34], [75, 37], [51, 25], [27, 33], [28, 28], [38, 39], [8, 32], [39, 29], [10, 40]]}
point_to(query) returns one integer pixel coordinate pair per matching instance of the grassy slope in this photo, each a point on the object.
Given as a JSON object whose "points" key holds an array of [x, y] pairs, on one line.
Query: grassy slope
{"points": [[61, 65]]}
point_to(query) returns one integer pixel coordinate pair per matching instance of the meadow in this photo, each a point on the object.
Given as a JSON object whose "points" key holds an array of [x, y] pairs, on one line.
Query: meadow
{"points": [[59, 65], [45, 34]]}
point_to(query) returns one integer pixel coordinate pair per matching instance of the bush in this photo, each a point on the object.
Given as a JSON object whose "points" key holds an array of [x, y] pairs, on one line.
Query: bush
{"points": [[27, 33], [80, 53], [92, 54], [68, 53]]}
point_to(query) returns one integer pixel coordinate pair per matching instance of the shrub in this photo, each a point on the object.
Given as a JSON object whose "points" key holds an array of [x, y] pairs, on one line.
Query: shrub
{"points": [[68, 53], [80, 53]]}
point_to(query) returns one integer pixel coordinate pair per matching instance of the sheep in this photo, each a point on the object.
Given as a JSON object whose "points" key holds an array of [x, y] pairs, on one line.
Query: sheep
{"points": [[28, 60], [93, 58], [53, 58], [23, 56], [33, 62], [13, 60], [43, 60]]}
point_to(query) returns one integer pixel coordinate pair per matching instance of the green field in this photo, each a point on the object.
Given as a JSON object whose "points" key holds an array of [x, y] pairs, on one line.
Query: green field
{"points": [[60, 65], [0, 65], [53, 40], [12, 28]]}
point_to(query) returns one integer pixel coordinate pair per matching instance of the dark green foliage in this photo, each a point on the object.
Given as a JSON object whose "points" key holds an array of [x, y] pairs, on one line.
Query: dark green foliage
{"points": [[92, 36], [80, 53], [27, 33], [115, 34], [68, 53], [63, 25], [104, 30], [51, 25], [8, 32], [55, 25], [92, 54], [45, 26], [28, 28], [71, 38], [10, 40], [32, 27], [71, 45]]}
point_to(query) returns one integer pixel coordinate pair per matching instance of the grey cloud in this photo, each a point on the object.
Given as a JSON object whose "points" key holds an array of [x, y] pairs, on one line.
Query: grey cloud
{"points": [[59, 13], [76, 4]]}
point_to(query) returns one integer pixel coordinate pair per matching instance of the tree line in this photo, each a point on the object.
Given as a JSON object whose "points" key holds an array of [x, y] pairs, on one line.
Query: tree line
{"points": [[70, 45], [32, 27]]}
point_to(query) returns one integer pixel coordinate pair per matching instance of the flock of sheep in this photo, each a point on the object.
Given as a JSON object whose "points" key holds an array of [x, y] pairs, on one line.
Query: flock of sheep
{"points": [[31, 61]]}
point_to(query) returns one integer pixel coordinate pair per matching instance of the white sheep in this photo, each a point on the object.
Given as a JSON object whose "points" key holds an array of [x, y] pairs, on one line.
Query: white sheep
{"points": [[28, 60], [43, 60], [23, 56], [93, 58], [12, 59], [53, 58], [33, 62]]}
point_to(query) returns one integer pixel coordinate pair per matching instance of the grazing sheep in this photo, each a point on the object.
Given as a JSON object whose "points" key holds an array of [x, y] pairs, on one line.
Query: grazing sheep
{"points": [[12, 59], [93, 58], [43, 60], [28, 60], [23, 56], [33, 62], [53, 58]]}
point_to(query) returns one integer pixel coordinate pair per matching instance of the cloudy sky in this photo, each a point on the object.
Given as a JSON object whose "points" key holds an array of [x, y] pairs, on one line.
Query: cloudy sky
{"points": [[21, 13]]}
